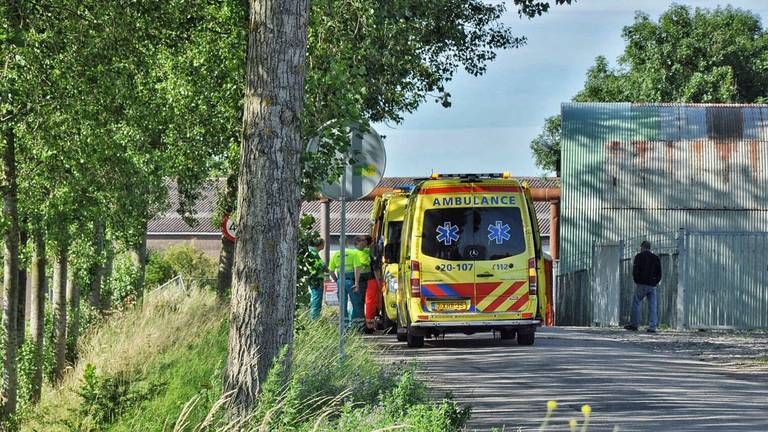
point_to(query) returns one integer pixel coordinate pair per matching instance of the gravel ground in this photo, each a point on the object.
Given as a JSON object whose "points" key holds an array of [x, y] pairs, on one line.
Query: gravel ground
{"points": [[745, 350], [637, 381]]}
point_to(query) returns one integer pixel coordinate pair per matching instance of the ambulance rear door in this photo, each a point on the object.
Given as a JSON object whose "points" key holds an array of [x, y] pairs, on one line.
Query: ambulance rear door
{"points": [[447, 267], [501, 244]]}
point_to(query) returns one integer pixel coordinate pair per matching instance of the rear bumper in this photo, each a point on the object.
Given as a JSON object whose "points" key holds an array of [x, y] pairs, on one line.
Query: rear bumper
{"points": [[487, 324]]}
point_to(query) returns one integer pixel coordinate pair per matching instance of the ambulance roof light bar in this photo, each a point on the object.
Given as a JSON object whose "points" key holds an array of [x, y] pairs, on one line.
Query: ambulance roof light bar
{"points": [[467, 176]]}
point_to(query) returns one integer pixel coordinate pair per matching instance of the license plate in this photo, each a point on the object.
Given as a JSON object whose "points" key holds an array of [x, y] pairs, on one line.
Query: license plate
{"points": [[449, 306]]}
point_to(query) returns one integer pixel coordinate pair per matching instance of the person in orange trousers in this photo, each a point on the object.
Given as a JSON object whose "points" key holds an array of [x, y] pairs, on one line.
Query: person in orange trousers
{"points": [[367, 279]]}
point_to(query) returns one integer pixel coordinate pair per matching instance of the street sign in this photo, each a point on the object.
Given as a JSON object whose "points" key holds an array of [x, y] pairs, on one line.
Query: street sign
{"points": [[331, 293], [363, 174], [228, 228], [363, 169]]}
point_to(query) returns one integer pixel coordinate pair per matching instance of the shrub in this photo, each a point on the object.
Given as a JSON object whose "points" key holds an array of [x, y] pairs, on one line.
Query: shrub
{"points": [[158, 270], [26, 361], [405, 407], [181, 259], [120, 285], [106, 398], [305, 272]]}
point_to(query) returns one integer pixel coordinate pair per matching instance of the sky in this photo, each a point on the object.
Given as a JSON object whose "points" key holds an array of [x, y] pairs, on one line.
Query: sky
{"points": [[494, 117]]}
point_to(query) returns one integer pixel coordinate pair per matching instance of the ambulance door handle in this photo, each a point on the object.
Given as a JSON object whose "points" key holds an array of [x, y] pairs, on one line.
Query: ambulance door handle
{"points": [[485, 275]]}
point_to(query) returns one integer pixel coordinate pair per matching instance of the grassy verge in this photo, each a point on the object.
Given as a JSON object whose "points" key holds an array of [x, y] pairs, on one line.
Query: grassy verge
{"points": [[159, 368]]}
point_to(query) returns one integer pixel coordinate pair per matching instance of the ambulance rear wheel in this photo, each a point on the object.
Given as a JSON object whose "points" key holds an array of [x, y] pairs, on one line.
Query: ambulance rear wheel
{"points": [[526, 338], [414, 341]]}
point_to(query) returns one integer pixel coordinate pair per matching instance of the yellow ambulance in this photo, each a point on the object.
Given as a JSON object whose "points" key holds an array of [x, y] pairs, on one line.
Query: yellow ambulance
{"points": [[387, 223], [470, 260]]}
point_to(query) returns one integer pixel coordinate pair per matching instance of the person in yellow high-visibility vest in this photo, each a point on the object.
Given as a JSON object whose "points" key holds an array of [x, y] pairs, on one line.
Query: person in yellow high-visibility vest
{"points": [[352, 292]]}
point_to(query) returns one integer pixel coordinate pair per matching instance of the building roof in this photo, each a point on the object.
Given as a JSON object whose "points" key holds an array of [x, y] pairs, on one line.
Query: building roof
{"points": [[358, 212], [171, 222]]}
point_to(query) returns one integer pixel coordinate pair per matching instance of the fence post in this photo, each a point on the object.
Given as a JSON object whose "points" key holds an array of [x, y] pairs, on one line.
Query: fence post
{"points": [[682, 278], [555, 288]]}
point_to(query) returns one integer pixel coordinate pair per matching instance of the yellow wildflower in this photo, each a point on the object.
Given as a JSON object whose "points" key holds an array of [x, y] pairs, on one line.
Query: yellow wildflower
{"points": [[573, 423], [551, 405], [586, 410]]}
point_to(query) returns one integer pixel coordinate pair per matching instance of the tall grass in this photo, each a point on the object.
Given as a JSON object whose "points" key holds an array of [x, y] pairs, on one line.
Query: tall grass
{"points": [[160, 368], [128, 347]]}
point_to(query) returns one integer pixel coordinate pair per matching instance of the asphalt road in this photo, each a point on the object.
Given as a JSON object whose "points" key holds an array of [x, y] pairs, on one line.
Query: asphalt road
{"points": [[627, 385]]}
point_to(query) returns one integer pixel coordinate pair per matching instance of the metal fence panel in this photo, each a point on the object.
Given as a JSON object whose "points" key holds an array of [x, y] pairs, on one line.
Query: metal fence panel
{"points": [[709, 280], [606, 283], [574, 299], [727, 280]]}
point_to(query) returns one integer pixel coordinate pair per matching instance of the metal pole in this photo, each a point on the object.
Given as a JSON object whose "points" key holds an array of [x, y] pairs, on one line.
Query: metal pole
{"points": [[342, 281], [682, 272], [325, 229]]}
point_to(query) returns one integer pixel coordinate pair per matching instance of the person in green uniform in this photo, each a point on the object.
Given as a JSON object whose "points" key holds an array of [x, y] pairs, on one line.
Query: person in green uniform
{"points": [[317, 277], [363, 275], [352, 294]]}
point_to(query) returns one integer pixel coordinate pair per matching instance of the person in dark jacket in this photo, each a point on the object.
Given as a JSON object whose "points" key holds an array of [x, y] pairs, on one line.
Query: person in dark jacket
{"points": [[646, 271]]}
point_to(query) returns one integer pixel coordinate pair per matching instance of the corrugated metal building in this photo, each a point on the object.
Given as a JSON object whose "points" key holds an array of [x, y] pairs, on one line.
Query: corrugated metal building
{"points": [[635, 171], [630, 170]]}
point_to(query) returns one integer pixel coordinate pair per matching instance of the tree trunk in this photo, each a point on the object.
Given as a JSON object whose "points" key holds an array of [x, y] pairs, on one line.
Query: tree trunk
{"points": [[73, 329], [21, 305], [37, 313], [226, 260], [264, 285], [139, 258], [106, 302], [97, 269], [60, 313], [227, 252], [10, 275]]}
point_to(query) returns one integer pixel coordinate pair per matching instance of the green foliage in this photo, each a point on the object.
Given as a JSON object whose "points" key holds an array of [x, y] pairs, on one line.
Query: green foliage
{"points": [[546, 145], [405, 407], [89, 319], [107, 398], [358, 393], [120, 286], [180, 259], [309, 271], [388, 58], [101, 397], [25, 358], [689, 55], [190, 262], [158, 269]]}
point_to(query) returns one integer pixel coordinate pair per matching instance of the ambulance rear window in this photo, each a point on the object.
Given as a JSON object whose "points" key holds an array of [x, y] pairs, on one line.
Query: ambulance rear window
{"points": [[500, 232], [466, 234], [394, 231]]}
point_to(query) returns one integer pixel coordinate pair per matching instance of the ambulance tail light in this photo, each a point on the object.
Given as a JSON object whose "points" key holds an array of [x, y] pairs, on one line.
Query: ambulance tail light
{"points": [[415, 279], [533, 277]]}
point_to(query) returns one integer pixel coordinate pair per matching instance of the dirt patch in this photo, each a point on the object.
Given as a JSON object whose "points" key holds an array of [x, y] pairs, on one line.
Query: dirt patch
{"points": [[745, 350]]}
